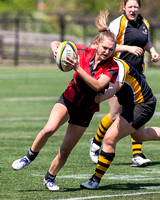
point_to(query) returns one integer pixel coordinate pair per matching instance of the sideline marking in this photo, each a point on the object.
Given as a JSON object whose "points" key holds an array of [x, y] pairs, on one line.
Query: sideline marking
{"points": [[29, 136], [40, 75], [23, 119], [114, 195], [108, 176], [17, 99], [46, 118]]}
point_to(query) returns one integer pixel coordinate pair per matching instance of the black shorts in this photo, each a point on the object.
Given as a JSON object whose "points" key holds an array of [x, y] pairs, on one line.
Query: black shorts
{"points": [[140, 114], [77, 115]]}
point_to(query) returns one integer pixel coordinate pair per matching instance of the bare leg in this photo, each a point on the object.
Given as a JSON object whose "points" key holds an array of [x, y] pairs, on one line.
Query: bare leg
{"points": [[71, 138], [114, 108], [118, 130], [147, 134], [139, 158], [58, 116]]}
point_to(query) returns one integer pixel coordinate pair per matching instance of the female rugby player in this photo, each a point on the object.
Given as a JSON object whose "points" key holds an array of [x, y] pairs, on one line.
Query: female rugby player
{"points": [[94, 70]]}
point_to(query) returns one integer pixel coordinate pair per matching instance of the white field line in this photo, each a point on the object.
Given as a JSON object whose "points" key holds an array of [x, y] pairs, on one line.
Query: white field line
{"points": [[45, 118], [110, 177], [17, 99], [48, 75], [110, 196], [118, 177], [23, 119], [36, 75], [21, 99]]}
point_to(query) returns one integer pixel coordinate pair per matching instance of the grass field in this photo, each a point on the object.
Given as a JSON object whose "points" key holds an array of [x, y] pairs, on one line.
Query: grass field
{"points": [[26, 98]]}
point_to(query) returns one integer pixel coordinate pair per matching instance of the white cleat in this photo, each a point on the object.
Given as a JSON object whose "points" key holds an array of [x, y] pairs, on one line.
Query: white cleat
{"points": [[50, 185], [140, 160], [94, 151], [90, 184], [20, 163]]}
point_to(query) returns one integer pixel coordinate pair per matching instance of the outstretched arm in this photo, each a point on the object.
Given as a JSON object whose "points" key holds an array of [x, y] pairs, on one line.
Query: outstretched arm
{"points": [[150, 48]]}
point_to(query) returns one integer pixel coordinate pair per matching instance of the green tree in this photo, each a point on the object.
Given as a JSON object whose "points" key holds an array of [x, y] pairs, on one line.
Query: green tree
{"points": [[18, 6]]}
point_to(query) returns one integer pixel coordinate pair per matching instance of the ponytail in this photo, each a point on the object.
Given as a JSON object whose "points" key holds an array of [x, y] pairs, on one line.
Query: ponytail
{"points": [[103, 29], [102, 21]]}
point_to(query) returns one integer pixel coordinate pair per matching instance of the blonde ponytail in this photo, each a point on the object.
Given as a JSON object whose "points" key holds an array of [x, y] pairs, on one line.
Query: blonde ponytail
{"points": [[102, 21], [103, 29]]}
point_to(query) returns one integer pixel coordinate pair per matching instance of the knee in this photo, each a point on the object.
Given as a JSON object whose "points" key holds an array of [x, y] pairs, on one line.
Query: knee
{"points": [[47, 131], [108, 140], [114, 115], [63, 153]]}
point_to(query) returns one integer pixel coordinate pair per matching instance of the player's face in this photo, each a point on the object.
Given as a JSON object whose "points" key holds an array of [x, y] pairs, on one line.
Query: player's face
{"points": [[132, 9], [105, 48]]}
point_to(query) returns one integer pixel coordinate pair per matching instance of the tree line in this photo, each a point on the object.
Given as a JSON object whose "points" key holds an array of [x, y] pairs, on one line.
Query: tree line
{"points": [[150, 8]]}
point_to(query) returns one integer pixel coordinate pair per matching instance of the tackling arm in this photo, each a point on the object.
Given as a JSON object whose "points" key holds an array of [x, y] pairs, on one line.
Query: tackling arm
{"points": [[110, 92]]}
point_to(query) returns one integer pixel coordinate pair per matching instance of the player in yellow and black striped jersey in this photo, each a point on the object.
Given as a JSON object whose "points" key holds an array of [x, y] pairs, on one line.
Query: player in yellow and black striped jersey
{"points": [[134, 86], [138, 103], [132, 32]]}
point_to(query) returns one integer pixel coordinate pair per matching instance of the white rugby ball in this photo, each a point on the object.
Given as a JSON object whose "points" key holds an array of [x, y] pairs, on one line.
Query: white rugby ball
{"points": [[66, 48]]}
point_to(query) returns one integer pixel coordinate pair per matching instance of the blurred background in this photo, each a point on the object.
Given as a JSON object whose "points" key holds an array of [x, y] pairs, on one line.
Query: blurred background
{"points": [[28, 26]]}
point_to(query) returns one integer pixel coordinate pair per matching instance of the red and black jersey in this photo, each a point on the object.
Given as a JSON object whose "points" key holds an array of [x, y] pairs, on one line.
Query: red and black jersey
{"points": [[78, 92]]}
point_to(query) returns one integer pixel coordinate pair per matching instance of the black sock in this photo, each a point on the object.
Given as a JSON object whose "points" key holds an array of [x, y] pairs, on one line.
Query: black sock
{"points": [[49, 176], [31, 155], [96, 142]]}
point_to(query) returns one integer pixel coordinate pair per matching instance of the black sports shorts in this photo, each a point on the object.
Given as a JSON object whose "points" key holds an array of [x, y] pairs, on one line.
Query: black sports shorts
{"points": [[140, 114], [77, 115]]}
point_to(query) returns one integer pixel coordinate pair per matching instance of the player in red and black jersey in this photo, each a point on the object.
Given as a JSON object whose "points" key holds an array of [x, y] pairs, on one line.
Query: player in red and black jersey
{"points": [[78, 92], [132, 32], [94, 70]]}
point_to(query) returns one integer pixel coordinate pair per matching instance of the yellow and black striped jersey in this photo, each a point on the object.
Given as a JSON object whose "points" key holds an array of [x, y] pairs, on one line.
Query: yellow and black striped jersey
{"points": [[135, 88], [133, 34]]}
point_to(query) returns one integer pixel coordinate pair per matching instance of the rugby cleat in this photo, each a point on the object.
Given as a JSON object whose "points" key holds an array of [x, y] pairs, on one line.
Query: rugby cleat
{"points": [[94, 151], [140, 160], [50, 185], [90, 184], [20, 163]]}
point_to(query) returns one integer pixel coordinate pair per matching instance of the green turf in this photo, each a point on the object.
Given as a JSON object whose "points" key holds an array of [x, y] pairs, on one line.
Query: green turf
{"points": [[26, 98]]}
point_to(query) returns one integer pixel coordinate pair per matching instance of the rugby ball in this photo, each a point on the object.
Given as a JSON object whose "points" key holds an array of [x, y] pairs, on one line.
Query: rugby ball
{"points": [[66, 48]]}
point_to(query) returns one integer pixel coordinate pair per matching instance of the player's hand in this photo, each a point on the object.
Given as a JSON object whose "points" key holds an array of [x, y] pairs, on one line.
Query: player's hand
{"points": [[155, 57], [54, 46], [74, 63], [98, 98], [138, 51]]}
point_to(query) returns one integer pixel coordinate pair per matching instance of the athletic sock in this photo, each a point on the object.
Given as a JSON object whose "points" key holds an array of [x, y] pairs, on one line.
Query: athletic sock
{"points": [[105, 123], [31, 155], [136, 147], [104, 162], [49, 176]]}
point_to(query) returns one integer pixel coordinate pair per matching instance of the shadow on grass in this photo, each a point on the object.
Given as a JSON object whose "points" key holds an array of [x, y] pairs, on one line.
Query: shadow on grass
{"points": [[117, 187], [151, 164], [129, 186], [154, 163], [33, 190]]}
